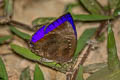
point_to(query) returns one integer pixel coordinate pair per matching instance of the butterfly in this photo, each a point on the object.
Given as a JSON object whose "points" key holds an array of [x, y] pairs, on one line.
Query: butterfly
{"points": [[56, 41]]}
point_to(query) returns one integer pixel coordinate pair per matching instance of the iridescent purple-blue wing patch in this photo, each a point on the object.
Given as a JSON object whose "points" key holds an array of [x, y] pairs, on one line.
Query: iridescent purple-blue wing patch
{"points": [[42, 31]]}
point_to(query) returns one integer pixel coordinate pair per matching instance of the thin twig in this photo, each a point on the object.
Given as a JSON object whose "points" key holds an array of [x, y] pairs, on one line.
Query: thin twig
{"points": [[100, 29], [86, 54]]}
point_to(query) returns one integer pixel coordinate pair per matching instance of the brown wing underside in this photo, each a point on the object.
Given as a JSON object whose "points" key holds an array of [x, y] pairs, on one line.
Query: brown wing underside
{"points": [[58, 45]]}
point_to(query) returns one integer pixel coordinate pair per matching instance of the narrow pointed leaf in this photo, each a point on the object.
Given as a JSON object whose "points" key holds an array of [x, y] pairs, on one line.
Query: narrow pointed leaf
{"points": [[92, 6], [84, 17], [20, 34], [94, 67], [76, 17], [87, 34], [80, 73], [42, 20], [8, 7], [52, 64], [38, 75], [113, 61], [105, 74], [25, 52], [3, 72], [4, 38], [25, 75]]}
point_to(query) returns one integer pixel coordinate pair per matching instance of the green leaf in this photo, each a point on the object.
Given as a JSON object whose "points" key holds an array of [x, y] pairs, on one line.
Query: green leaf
{"points": [[80, 73], [105, 74], [32, 56], [3, 72], [25, 52], [69, 7], [38, 75], [8, 7], [25, 75], [20, 34], [87, 34], [94, 67], [4, 38], [42, 20], [84, 17], [113, 60], [76, 17], [92, 6], [53, 64]]}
